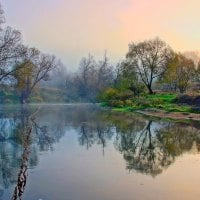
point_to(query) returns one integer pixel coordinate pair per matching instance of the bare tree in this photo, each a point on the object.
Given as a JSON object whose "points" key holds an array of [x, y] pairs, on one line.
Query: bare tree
{"points": [[150, 59], [92, 77], [87, 66], [85, 77], [35, 68], [11, 51], [105, 73], [11, 48]]}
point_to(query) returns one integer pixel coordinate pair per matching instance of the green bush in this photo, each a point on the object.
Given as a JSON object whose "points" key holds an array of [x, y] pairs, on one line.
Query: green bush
{"points": [[116, 103], [128, 102], [124, 95], [108, 94], [115, 94]]}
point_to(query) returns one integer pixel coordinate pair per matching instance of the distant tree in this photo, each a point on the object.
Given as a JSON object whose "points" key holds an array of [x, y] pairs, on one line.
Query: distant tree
{"points": [[169, 78], [58, 78], [193, 55], [35, 68], [91, 78], [105, 73], [86, 77], [180, 72], [149, 58]]}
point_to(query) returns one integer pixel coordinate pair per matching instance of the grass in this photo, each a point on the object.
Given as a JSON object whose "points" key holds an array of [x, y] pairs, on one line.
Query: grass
{"points": [[166, 98], [164, 102], [167, 103]]}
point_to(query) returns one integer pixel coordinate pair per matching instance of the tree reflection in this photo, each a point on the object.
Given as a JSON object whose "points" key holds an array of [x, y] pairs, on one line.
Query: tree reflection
{"points": [[143, 152], [23, 173], [23, 134], [95, 132], [152, 150], [45, 141], [177, 138], [147, 146], [7, 173]]}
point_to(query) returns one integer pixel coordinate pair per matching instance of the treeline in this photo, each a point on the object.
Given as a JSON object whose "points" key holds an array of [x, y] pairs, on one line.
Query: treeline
{"points": [[149, 66], [90, 79]]}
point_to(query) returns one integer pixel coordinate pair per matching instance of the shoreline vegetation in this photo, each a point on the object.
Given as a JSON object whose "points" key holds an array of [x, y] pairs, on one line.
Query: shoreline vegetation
{"points": [[169, 106]]}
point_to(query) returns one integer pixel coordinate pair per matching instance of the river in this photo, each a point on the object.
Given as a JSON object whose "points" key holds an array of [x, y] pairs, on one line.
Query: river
{"points": [[84, 152]]}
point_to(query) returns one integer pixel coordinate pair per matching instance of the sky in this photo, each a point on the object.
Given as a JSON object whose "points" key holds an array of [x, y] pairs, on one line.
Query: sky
{"points": [[71, 29]]}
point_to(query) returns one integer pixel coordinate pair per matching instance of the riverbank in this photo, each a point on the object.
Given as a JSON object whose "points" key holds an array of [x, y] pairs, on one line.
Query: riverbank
{"points": [[153, 112], [161, 105], [169, 115]]}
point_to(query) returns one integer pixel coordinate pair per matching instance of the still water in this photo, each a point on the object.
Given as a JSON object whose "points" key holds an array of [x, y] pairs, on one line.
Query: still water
{"points": [[81, 152]]}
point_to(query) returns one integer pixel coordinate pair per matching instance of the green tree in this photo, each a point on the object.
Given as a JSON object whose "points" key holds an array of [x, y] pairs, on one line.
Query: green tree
{"points": [[127, 78], [24, 77], [180, 72]]}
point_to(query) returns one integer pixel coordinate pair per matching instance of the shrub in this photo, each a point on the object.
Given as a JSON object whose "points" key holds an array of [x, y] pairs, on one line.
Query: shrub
{"points": [[116, 103], [128, 102], [125, 95], [108, 94]]}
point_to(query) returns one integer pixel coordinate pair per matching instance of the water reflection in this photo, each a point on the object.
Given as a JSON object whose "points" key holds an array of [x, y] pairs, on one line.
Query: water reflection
{"points": [[148, 146], [23, 134], [23, 173]]}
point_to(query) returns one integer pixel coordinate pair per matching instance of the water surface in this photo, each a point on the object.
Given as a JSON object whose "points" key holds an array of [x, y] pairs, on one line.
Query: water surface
{"points": [[72, 152]]}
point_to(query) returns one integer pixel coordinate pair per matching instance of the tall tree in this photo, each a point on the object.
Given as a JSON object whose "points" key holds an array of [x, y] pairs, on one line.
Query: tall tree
{"points": [[35, 68], [85, 77], [11, 51], [150, 59], [105, 73]]}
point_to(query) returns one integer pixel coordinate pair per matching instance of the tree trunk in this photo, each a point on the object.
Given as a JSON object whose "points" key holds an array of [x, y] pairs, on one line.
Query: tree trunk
{"points": [[24, 97], [182, 90], [150, 89]]}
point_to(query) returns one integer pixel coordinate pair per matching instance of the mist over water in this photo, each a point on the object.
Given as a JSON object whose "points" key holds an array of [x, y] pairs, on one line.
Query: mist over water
{"points": [[81, 151]]}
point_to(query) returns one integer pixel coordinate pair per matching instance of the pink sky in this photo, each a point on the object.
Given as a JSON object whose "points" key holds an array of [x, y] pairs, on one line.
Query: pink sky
{"points": [[72, 29]]}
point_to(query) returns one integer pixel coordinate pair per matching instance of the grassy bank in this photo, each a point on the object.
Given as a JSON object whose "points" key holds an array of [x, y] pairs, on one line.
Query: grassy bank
{"points": [[166, 102]]}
